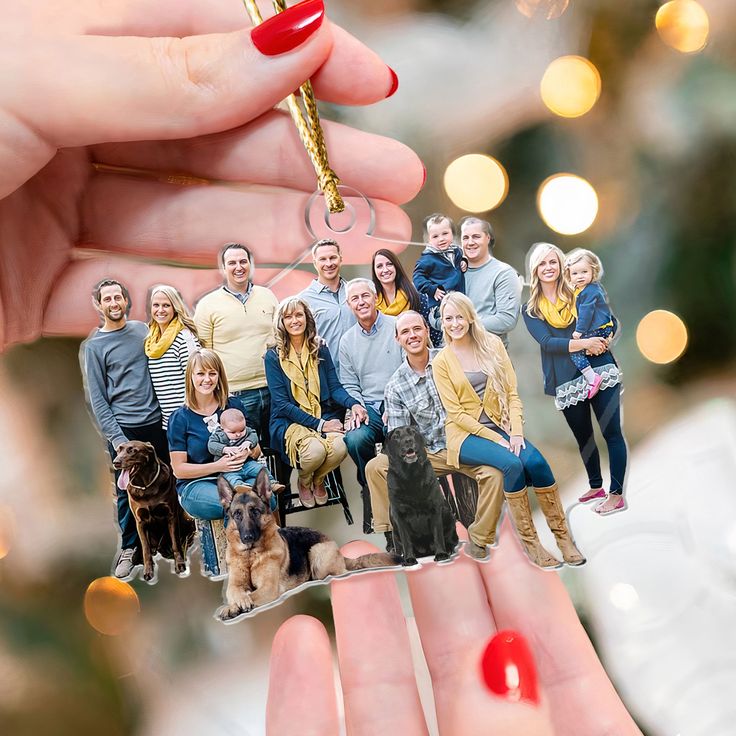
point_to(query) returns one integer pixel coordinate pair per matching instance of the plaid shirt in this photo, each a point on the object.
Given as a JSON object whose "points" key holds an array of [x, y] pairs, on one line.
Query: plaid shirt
{"points": [[413, 399]]}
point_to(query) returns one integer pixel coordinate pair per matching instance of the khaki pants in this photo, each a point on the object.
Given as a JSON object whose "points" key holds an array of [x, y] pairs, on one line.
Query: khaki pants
{"points": [[315, 461], [490, 494]]}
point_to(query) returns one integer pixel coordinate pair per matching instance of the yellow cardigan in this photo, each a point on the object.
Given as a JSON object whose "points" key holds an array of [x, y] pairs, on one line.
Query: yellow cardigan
{"points": [[463, 405]]}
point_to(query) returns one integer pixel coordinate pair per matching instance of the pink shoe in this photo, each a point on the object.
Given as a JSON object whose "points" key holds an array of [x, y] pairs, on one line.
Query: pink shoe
{"points": [[620, 505], [594, 387], [592, 494]]}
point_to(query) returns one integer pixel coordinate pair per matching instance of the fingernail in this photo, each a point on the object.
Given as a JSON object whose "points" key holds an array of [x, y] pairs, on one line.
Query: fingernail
{"points": [[424, 176], [394, 83], [508, 669], [287, 30]]}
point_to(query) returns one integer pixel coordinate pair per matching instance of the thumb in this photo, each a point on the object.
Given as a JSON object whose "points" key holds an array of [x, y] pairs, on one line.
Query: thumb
{"points": [[501, 691]]}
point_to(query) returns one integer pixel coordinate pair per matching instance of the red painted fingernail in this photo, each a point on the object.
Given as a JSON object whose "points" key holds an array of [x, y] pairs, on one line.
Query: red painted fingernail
{"points": [[285, 31], [394, 83], [508, 669], [424, 176]]}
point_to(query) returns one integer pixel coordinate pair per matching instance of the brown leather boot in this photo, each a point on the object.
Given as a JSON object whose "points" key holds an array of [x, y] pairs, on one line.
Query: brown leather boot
{"points": [[521, 513], [549, 502]]}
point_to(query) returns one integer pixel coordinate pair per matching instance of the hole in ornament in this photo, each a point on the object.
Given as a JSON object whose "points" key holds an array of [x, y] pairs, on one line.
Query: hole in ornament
{"points": [[359, 214]]}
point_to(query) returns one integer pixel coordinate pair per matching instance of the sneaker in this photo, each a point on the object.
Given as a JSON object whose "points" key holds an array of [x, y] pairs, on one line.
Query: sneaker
{"points": [[594, 387], [124, 564], [619, 505], [320, 494], [592, 494], [306, 498]]}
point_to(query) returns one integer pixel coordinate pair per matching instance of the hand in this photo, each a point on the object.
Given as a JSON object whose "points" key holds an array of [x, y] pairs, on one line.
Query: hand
{"points": [[229, 450], [359, 415], [333, 425], [576, 696], [595, 345], [439, 294], [177, 87], [516, 444], [576, 335], [504, 443], [229, 463]]}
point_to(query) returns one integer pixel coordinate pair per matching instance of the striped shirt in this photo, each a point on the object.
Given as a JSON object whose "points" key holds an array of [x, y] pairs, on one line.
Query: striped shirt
{"points": [[168, 371]]}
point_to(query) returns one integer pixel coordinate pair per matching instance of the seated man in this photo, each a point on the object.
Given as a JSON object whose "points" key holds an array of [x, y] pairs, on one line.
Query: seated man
{"points": [[369, 355], [411, 398]]}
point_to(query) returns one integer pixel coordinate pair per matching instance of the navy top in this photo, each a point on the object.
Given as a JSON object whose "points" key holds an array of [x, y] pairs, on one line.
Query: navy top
{"points": [[554, 342], [433, 270], [334, 399], [592, 308], [190, 432]]}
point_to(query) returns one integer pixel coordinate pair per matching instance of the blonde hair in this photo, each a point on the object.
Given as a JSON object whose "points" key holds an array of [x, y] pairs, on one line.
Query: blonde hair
{"points": [[564, 291], [283, 340], [180, 309], [210, 361], [485, 348], [579, 254]]}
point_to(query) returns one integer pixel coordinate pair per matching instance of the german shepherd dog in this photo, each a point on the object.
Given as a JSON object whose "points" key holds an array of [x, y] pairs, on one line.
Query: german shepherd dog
{"points": [[265, 561], [422, 522], [163, 525]]}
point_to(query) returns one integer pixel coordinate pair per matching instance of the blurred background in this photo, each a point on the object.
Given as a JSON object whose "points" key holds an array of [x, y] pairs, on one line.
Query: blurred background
{"points": [[606, 124]]}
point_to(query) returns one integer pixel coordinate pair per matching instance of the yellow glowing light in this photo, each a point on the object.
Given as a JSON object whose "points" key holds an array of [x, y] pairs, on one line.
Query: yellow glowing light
{"points": [[570, 86], [567, 203], [548, 8], [683, 25], [7, 530], [661, 336], [110, 605], [476, 182]]}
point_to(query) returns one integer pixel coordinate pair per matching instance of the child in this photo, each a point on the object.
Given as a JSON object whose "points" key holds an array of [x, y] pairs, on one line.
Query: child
{"points": [[441, 265], [233, 437], [583, 269]]}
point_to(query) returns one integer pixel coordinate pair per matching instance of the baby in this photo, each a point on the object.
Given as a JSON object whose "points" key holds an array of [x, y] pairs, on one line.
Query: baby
{"points": [[234, 437], [441, 266], [583, 270]]}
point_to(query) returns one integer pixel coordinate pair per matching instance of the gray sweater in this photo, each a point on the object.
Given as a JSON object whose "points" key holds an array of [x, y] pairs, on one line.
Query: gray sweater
{"points": [[495, 290], [117, 381], [368, 361]]}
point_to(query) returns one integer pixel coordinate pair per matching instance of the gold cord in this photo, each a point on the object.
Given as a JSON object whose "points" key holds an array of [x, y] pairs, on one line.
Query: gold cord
{"points": [[310, 130]]}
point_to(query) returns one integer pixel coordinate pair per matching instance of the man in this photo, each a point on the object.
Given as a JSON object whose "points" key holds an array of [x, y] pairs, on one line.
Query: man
{"points": [[327, 297], [369, 355], [121, 396], [411, 398], [236, 321], [493, 286]]}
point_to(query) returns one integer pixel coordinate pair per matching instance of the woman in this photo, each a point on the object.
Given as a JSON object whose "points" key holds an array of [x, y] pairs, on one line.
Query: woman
{"points": [[171, 339], [396, 292], [477, 385], [550, 316], [308, 402], [190, 427]]}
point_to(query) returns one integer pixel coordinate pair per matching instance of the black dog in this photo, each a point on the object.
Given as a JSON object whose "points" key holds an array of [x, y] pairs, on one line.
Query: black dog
{"points": [[421, 518]]}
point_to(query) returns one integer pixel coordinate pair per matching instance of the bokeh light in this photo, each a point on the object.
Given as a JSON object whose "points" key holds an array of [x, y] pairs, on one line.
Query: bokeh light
{"points": [[7, 530], [548, 9], [476, 182], [683, 25], [661, 336], [624, 596], [570, 87], [110, 605], [567, 203]]}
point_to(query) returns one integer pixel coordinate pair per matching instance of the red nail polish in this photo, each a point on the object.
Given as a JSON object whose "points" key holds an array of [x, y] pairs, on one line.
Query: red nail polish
{"points": [[508, 669], [424, 176], [394, 83], [287, 30]]}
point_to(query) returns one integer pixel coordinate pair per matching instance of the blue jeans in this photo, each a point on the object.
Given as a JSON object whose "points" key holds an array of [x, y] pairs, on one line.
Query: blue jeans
{"points": [[248, 474], [361, 442], [257, 404], [200, 499], [529, 469]]}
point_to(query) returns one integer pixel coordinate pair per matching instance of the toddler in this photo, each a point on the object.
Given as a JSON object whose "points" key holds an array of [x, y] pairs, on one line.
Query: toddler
{"points": [[234, 437], [583, 270]]}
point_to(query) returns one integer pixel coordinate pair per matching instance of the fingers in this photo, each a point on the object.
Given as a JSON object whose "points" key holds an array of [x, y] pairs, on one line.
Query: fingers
{"points": [[453, 617], [68, 312], [301, 690], [269, 151], [189, 224], [582, 700], [376, 670]]}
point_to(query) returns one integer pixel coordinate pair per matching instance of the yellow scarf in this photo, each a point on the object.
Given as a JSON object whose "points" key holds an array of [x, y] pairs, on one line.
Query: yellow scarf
{"points": [[398, 305], [561, 314], [157, 343]]}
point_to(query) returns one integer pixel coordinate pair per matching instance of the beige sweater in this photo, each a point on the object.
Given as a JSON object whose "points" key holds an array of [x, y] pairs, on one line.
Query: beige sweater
{"points": [[238, 333]]}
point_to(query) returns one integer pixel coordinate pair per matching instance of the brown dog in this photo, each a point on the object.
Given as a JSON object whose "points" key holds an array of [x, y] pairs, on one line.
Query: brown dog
{"points": [[264, 561], [163, 525]]}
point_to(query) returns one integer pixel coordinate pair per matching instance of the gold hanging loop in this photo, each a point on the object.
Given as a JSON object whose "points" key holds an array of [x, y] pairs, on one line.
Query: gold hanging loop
{"points": [[309, 127]]}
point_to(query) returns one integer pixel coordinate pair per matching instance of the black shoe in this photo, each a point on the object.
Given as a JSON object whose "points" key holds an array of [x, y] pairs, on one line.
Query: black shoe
{"points": [[367, 512], [389, 541]]}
